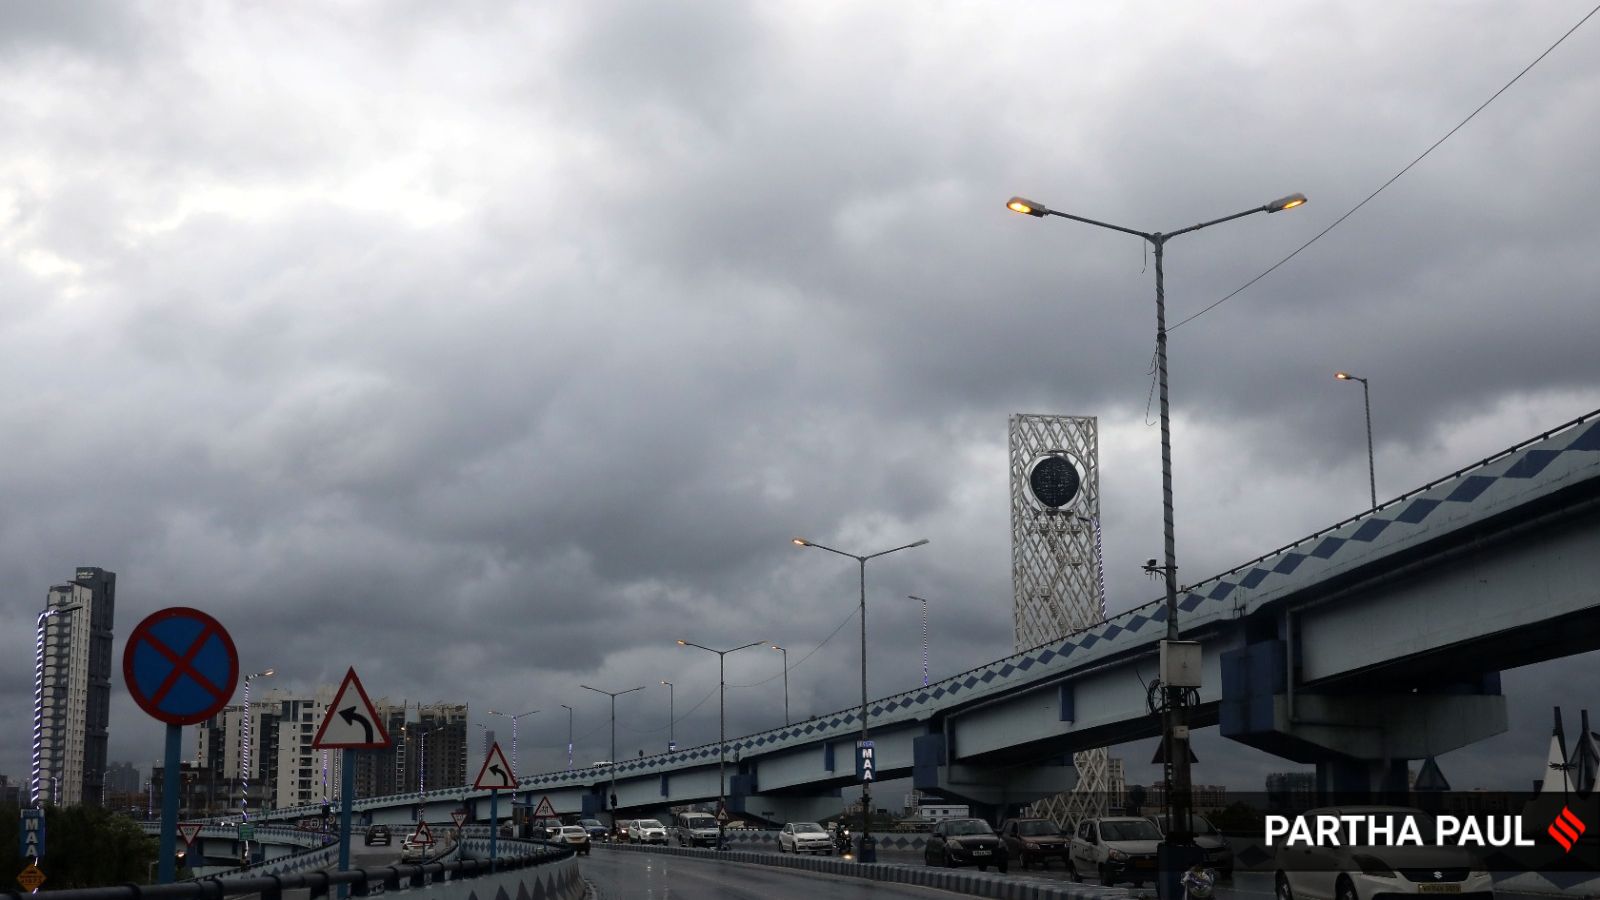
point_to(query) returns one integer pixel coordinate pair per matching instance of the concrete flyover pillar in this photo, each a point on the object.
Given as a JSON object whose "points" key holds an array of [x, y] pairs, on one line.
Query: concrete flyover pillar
{"points": [[1360, 741], [988, 790]]}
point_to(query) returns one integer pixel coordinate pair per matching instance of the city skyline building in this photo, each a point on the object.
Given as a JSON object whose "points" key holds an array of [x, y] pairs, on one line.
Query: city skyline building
{"points": [[76, 690]]}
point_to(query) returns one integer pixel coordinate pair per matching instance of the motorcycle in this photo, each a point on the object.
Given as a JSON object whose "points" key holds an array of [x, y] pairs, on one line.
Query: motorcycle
{"points": [[841, 841]]}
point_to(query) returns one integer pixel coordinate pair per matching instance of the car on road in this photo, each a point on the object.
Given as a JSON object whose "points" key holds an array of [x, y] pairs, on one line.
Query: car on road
{"points": [[965, 842], [378, 834], [544, 829], [413, 850], [1367, 872], [619, 831], [1218, 850], [804, 837], [576, 837], [647, 831], [1032, 841], [1116, 848], [597, 830], [695, 829]]}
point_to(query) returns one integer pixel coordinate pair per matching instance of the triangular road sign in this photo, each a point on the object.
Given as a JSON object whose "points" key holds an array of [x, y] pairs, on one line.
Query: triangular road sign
{"points": [[496, 773], [352, 723], [544, 810], [189, 831], [459, 817], [722, 813], [422, 835]]}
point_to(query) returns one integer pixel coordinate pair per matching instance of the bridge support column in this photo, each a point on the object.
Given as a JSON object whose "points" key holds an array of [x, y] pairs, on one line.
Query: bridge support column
{"points": [[1360, 743], [988, 790]]}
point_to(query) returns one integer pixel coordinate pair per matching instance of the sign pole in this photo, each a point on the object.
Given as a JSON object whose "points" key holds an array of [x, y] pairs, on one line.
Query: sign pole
{"points": [[347, 792], [494, 825], [166, 871]]}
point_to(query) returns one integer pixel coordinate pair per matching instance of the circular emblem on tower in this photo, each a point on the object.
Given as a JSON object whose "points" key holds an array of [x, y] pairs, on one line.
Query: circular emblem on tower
{"points": [[1054, 480]]}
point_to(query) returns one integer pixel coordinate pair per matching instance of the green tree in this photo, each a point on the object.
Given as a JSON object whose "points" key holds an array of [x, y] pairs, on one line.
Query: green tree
{"points": [[84, 847]]}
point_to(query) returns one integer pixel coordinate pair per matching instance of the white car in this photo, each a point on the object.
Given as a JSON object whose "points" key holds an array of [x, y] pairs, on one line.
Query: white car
{"points": [[804, 837], [647, 831], [413, 850], [1362, 873], [1118, 848]]}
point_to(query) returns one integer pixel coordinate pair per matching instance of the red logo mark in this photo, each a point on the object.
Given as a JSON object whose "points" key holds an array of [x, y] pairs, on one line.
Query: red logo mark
{"points": [[1566, 829]]}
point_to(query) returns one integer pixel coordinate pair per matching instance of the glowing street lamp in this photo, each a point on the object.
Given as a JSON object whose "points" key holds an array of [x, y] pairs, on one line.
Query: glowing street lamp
{"points": [[1366, 399], [1177, 748]]}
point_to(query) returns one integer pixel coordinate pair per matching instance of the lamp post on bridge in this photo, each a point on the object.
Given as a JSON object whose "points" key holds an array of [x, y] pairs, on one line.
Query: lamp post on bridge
{"points": [[722, 730], [569, 735], [785, 653], [612, 762], [924, 636], [244, 756], [1366, 400], [671, 717], [868, 851], [1174, 725], [516, 758]]}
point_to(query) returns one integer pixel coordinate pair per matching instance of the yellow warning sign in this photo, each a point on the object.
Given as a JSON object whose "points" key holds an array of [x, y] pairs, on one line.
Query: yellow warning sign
{"points": [[31, 878]]}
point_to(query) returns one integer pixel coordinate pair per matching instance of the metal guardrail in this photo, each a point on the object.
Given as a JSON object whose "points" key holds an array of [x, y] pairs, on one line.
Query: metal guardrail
{"points": [[362, 882]]}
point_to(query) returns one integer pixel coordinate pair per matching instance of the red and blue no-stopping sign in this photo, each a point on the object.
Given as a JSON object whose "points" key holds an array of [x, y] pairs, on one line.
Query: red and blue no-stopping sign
{"points": [[180, 665]]}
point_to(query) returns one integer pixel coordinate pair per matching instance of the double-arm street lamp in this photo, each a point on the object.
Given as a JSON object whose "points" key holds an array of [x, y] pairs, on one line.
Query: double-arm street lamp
{"points": [[516, 758], [613, 760], [1366, 399], [1177, 748], [868, 853], [722, 731]]}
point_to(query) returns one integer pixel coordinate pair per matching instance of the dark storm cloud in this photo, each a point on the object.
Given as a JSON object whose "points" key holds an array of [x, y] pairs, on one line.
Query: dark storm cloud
{"points": [[492, 350]]}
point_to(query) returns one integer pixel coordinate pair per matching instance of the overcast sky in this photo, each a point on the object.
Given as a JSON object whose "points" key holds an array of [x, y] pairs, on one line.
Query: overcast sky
{"points": [[489, 347]]}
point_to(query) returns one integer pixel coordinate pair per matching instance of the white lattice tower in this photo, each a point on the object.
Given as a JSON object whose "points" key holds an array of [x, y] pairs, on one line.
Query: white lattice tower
{"points": [[1058, 581]]}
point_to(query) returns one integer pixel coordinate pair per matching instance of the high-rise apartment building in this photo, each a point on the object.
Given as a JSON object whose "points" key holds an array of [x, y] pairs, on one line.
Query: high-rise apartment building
{"points": [[76, 696], [285, 770]]}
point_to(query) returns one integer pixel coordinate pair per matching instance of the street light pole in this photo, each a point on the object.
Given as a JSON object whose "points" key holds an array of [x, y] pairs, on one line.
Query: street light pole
{"points": [[244, 756], [671, 717], [868, 853], [516, 758], [613, 760], [785, 653], [924, 637], [1176, 746], [569, 735], [38, 697], [1366, 400], [722, 730]]}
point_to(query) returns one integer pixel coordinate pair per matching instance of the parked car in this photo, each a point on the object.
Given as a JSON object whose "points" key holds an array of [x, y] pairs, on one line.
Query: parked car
{"points": [[695, 829], [965, 842], [378, 834], [1365, 873], [647, 831], [544, 829], [1032, 841], [804, 837], [597, 830], [1219, 852], [576, 837], [1118, 848]]}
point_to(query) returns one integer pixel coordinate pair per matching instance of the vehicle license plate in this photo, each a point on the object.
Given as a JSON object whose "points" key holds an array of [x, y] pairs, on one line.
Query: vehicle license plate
{"points": [[980, 853], [1144, 863], [1438, 888]]}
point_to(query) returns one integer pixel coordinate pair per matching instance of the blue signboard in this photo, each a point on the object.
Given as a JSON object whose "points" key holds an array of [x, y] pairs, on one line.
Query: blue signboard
{"points": [[30, 837]]}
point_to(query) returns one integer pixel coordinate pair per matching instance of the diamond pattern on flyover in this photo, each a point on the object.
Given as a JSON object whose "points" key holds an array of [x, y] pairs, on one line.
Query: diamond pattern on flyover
{"points": [[1189, 602], [1253, 578], [1370, 530], [1531, 464], [1289, 563], [1417, 511], [1328, 547], [1222, 589], [1469, 488], [1589, 440]]}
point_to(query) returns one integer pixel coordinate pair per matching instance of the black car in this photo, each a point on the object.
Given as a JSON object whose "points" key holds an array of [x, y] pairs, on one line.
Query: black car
{"points": [[965, 842], [378, 834]]}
